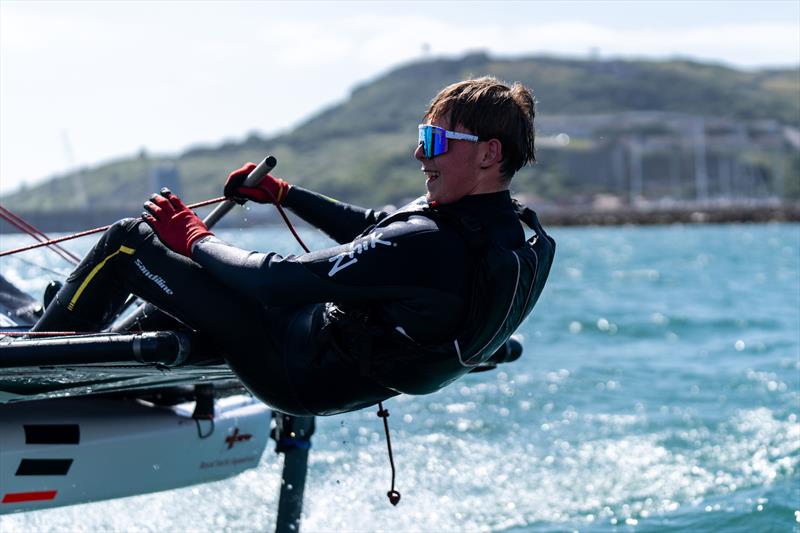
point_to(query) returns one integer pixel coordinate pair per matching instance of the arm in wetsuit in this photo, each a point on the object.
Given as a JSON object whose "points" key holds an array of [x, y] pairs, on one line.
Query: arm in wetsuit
{"points": [[340, 221], [413, 269]]}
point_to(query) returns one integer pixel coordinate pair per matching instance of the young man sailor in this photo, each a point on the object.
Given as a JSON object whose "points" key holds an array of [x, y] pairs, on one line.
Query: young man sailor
{"points": [[407, 303]]}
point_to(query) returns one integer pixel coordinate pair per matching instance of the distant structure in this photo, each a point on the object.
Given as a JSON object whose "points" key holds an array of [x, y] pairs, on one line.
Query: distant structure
{"points": [[166, 175], [667, 158]]}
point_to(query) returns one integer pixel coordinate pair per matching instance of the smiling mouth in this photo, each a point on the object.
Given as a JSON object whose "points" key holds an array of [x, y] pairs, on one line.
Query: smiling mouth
{"points": [[431, 174]]}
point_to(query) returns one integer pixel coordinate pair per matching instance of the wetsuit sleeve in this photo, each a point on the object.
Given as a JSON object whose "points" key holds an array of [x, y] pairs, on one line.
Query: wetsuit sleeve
{"points": [[340, 221], [403, 261]]}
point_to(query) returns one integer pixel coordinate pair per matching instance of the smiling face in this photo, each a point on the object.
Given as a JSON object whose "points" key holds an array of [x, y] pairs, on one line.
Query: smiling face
{"points": [[466, 168], [453, 174]]}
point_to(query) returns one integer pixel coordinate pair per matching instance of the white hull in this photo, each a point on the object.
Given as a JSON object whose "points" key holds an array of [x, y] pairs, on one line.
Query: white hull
{"points": [[68, 451]]}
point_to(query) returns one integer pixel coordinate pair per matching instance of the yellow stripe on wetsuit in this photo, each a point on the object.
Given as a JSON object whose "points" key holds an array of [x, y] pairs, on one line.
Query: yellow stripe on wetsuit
{"points": [[95, 270]]}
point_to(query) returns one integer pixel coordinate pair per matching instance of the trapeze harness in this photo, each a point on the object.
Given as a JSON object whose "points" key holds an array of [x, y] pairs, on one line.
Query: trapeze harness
{"points": [[505, 286]]}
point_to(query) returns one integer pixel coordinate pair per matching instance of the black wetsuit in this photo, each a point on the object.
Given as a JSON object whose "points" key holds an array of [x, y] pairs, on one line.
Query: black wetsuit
{"points": [[274, 318]]}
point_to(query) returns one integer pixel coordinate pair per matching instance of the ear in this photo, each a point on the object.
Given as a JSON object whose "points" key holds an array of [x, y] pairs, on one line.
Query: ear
{"points": [[491, 153]]}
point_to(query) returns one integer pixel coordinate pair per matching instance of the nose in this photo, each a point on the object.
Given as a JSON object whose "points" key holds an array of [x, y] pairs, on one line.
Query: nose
{"points": [[419, 153]]}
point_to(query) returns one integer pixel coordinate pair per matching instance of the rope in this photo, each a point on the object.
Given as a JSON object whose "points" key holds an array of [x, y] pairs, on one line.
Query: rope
{"points": [[92, 231], [34, 232], [394, 496], [291, 228], [210, 431]]}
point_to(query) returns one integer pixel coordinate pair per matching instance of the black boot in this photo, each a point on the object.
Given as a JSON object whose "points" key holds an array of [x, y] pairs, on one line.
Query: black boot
{"points": [[50, 292], [58, 318]]}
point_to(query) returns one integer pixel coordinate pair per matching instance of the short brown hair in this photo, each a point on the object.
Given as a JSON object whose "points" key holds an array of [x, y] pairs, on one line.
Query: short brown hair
{"points": [[491, 110]]}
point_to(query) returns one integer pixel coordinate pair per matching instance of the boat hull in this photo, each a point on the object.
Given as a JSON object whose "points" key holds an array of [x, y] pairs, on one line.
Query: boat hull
{"points": [[67, 451]]}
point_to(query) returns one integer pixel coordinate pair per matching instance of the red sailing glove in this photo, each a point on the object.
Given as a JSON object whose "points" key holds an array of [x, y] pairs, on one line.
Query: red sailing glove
{"points": [[175, 224], [270, 190]]}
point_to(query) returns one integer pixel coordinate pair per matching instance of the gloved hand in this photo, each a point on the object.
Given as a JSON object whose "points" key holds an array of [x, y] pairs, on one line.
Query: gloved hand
{"points": [[270, 190], [175, 224]]}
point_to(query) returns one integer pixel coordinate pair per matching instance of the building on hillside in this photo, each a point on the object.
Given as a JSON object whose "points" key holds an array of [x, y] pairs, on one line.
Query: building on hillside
{"points": [[659, 157]]}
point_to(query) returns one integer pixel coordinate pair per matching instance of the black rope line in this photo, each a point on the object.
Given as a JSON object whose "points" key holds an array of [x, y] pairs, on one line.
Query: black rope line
{"points": [[200, 431], [394, 496]]}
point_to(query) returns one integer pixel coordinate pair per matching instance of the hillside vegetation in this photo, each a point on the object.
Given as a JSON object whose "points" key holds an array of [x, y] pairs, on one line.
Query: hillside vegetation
{"points": [[372, 164]]}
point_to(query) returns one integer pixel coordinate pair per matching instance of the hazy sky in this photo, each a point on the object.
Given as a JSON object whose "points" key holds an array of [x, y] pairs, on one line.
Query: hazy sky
{"points": [[82, 83]]}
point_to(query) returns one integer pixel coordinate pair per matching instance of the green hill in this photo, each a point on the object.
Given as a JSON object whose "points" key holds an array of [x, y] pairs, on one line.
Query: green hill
{"points": [[372, 164]]}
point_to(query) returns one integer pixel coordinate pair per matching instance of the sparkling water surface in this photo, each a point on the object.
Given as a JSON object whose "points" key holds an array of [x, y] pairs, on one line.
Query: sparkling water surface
{"points": [[659, 390]]}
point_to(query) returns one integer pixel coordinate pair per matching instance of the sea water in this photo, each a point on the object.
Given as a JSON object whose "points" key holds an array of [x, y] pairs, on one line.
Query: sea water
{"points": [[659, 390]]}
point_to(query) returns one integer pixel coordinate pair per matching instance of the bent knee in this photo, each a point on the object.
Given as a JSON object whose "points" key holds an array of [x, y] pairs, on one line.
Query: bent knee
{"points": [[121, 237], [123, 226], [122, 234], [126, 231]]}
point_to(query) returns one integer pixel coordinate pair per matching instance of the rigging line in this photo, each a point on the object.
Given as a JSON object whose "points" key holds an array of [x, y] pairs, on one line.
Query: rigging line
{"points": [[34, 232], [394, 496], [93, 231], [291, 228], [21, 223]]}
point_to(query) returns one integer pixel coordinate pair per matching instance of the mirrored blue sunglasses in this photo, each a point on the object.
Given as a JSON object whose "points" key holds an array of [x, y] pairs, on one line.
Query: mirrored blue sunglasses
{"points": [[434, 139]]}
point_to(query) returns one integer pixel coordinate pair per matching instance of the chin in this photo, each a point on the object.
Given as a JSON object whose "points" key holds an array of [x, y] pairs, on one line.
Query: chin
{"points": [[431, 197], [429, 194]]}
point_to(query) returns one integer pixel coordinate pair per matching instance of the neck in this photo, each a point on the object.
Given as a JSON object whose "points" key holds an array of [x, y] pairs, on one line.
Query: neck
{"points": [[491, 183]]}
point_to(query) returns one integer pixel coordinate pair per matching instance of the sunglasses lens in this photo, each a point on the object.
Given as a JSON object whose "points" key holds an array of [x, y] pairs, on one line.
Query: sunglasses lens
{"points": [[433, 139], [424, 140]]}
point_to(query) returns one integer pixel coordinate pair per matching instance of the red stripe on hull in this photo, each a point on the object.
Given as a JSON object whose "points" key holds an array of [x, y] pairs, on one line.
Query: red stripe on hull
{"points": [[18, 497]]}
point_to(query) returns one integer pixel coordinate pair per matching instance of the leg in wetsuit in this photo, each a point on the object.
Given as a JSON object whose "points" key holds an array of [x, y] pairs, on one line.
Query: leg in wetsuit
{"points": [[129, 259]]}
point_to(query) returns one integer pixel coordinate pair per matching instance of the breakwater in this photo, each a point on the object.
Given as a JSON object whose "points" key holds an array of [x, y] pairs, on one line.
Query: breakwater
{"points": [[583, 216]]}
